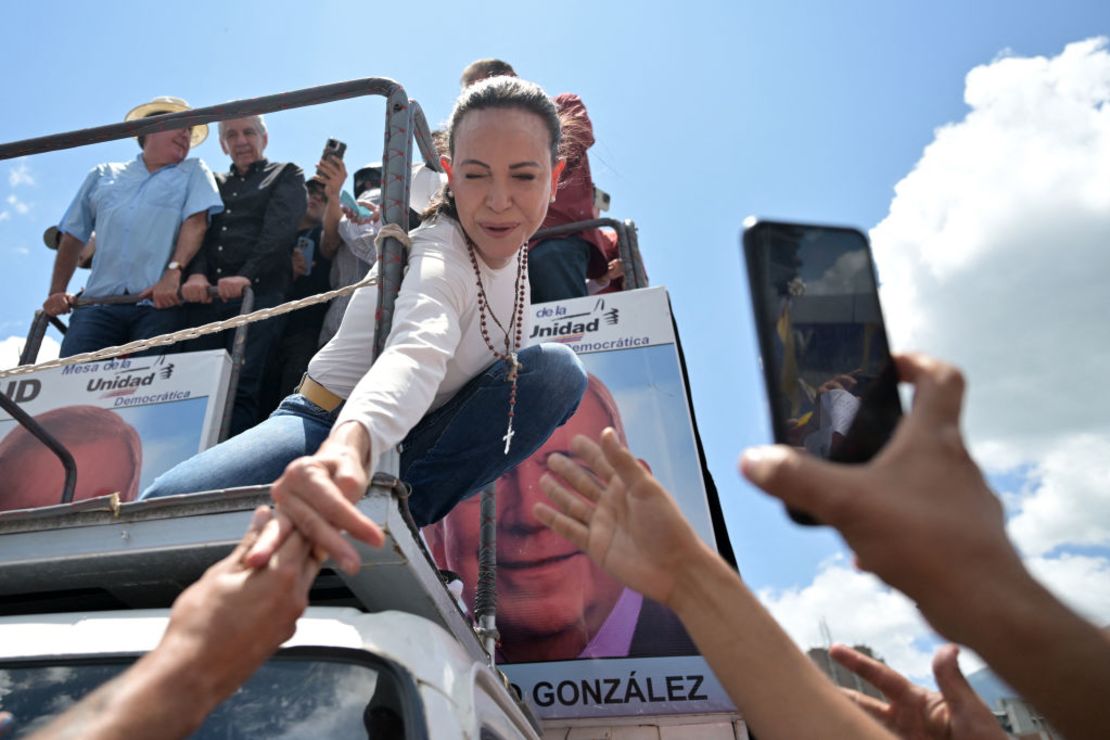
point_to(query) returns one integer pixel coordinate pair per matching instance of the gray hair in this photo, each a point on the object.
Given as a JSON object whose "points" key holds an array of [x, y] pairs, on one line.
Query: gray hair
{"points": [[258, 120]]}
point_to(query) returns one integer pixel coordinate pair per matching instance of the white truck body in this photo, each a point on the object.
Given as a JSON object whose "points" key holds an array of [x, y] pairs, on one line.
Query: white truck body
{"points": [[61, 566]]}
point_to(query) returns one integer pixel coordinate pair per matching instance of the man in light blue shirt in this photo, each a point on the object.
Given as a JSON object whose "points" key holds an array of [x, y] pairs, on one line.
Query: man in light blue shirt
{"points": [[150, 216]]}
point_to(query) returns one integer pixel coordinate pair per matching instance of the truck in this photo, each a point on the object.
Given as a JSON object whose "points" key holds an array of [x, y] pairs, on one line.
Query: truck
{"points": [[392, 651]]}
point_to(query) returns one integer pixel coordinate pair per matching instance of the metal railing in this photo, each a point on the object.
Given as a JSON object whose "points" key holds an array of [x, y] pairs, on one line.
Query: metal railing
{"points": [[404, 122], [628, 245], [42, 320]]}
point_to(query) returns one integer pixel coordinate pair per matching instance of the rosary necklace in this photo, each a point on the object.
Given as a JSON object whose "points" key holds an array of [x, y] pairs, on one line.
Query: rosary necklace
{"points": [[513, 334]]}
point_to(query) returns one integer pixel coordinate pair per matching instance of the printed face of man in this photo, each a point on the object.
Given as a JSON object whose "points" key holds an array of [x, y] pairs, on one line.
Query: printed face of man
{"points": [[552, 599], [104, 466]]}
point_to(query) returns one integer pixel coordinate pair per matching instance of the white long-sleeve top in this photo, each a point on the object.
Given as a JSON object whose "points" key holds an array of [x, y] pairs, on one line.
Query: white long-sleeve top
{"points": [[435, 345]]}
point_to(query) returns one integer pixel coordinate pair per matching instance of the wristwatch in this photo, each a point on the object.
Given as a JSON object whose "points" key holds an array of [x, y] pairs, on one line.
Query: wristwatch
{"points": [[174, 265]]}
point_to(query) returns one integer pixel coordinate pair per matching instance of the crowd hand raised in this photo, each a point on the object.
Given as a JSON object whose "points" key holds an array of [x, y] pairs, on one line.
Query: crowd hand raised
{"points": [[231, 288], [919, 515], [332, 173], [57, 304], [954, 713], [315, 497], [231, 620], [619, 515], [195, 289]]}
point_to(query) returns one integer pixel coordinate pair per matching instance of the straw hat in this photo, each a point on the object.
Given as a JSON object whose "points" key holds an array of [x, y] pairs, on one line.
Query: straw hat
{"points": [[167, 104]]}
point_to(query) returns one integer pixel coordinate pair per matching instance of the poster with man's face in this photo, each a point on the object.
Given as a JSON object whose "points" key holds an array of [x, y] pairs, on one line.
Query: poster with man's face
{"points": [[125, 421], [575, 641]]}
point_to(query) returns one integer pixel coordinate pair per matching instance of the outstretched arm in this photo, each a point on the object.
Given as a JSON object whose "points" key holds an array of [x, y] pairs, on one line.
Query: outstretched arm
{"points": [[626, 522], [954, 713], [222, 628], [921, 517]]}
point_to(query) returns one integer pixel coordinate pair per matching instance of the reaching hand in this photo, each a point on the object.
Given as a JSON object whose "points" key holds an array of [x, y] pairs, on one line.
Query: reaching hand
{"points": [[226, 624], [315, 497], [954, 713], [620, 516]]}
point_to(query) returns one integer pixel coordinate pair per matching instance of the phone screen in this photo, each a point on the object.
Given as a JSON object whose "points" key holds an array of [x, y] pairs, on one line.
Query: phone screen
{"points": [[831, 384]]}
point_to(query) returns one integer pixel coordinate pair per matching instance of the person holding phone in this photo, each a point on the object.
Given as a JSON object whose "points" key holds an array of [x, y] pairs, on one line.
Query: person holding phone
{"points": [[348, 239], [249, 244], [454, 384], [919, 516]]}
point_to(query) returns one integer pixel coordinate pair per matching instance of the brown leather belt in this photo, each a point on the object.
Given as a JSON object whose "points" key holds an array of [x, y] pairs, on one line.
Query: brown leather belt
{"points": [[318, 394]]}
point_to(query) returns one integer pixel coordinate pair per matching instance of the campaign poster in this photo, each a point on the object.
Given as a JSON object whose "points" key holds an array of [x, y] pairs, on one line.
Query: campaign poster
{"points": [[574, 641], [124, 420]]}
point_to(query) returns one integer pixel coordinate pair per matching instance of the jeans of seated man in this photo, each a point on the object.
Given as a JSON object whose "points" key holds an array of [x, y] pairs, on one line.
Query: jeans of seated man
{"points": [[96, 327], [557, 268], [261, 336], [452, 453]]}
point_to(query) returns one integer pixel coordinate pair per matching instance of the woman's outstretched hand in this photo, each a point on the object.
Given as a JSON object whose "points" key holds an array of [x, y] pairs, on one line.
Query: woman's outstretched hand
{"points": [[316, 494], [619, 515]]}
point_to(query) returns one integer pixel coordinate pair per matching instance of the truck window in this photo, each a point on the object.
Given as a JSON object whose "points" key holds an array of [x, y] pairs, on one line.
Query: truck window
{"points": [[291, 696]]}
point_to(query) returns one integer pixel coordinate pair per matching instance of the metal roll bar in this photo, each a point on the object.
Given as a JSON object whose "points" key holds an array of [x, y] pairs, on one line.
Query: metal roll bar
{"points": [[628, 245], [404, 122], [238, 344]]}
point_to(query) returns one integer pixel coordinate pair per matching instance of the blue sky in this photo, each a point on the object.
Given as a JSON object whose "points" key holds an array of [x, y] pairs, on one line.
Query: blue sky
{"points": [[704, 113]]}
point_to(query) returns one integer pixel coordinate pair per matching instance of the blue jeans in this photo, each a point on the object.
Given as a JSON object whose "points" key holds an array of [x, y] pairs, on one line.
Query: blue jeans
{"points": [[261, 337], [450, 454], [557, 268], [96, 327]]}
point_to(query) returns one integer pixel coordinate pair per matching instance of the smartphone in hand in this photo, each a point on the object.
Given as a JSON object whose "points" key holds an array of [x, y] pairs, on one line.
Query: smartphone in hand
{"points": [[831, 384], [334, 148]]}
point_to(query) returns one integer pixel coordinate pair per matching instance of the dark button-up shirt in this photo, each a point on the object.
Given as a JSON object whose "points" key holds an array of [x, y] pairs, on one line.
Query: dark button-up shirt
{"points": [[255, 235]]}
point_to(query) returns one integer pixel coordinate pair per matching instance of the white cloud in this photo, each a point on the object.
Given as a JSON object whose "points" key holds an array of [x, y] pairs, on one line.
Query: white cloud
{"points": [[5, 215], [858, 609], [1067, 499], [20, 175], [994, 255], [12, 346], [20, 207]]}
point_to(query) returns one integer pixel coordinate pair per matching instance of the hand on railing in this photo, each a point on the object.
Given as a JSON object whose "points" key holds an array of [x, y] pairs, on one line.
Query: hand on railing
{"points": [[231, 288], [166, 293], [57, 304], [197, 289]]}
